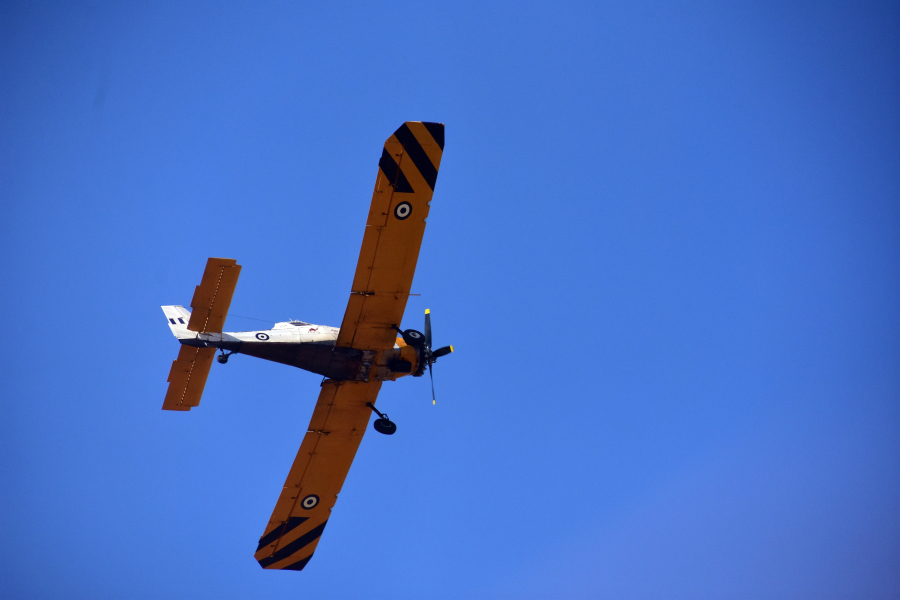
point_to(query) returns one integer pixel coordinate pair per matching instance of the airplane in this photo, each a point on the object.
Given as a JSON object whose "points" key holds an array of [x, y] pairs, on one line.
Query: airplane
{"points": [[354, 359]]}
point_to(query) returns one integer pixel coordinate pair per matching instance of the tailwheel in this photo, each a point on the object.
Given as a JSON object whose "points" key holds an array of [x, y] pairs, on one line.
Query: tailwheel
{"points": [[382, 424], [223, 358]]}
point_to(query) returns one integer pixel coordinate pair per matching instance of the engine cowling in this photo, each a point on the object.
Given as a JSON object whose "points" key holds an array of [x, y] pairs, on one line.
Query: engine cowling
{"points": [[402, 361]]}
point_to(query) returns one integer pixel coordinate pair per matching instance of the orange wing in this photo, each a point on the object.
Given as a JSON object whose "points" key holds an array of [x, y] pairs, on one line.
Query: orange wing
{"points": [[407, 173], [317, 475]]}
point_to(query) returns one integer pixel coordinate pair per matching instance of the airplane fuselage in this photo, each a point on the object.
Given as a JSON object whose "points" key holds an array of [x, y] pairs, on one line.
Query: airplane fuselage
{"points": [[305, 346]]}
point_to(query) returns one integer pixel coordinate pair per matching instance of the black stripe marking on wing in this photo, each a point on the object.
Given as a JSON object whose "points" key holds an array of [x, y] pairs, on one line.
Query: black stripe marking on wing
{"points": [[298, 566], [417, 154], [392, 171], [295, 546], [279, 531], [437, 132]]}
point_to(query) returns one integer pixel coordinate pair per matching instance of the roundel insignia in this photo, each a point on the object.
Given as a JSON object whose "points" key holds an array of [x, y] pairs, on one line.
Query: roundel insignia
{"points": [[403, 210], [415, 335], [309, 502], [262, 336]]}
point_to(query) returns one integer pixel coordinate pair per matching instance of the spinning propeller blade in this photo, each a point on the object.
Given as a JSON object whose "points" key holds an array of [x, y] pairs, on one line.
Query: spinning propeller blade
{"points": [[431, 375], [442, 351], [430, 356]]}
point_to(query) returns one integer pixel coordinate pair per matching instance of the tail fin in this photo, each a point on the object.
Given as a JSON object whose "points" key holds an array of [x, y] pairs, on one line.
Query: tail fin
{"points": [[178, 318]]}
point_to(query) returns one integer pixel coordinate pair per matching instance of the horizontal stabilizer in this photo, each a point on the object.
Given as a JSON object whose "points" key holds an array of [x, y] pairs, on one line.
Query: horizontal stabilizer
{"points": [[187, 378], [212, 298]]}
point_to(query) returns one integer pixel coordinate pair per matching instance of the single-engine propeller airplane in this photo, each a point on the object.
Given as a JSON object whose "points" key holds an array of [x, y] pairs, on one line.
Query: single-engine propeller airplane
{"points": [[354, 359]]}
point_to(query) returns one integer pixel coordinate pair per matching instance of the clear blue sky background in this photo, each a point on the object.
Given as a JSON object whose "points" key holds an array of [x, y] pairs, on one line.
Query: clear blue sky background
{"points": [[665, 242]]}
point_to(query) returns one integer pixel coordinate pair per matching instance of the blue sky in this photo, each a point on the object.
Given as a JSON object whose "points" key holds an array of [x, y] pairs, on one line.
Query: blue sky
{"points": [[664, 243]]}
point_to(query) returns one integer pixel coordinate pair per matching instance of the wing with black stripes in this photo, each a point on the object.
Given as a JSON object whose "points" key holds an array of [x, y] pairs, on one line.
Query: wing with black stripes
{"points": [[338, 423], [407, 173]]}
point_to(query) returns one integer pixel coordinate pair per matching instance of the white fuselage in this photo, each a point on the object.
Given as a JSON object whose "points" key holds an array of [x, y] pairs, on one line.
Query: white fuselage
{"points": [[292, 332], [296, 343]]}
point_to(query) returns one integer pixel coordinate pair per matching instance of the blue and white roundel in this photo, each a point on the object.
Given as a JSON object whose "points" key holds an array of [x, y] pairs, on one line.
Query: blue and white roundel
{"points": [[403, 210], [262, 336]]}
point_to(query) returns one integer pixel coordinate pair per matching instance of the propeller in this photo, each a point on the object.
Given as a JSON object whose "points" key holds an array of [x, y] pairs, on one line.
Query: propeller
{"points": [[432, 356]]}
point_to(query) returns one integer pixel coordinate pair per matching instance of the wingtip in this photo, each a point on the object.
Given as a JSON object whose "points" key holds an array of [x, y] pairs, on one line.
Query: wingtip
{"points": [[437, 132], [435, 129]]}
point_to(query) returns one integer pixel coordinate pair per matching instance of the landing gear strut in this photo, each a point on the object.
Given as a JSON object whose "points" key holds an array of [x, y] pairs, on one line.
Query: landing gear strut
{"points": [[382, 425]]}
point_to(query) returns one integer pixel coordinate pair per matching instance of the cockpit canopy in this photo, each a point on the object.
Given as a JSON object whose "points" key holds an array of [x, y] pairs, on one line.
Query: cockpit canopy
{"points": [[290, 324]]}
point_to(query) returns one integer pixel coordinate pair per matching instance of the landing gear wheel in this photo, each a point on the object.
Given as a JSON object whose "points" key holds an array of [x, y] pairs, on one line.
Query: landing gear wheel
{"points": [[414, 338], [223, 358], [384, 426]]}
